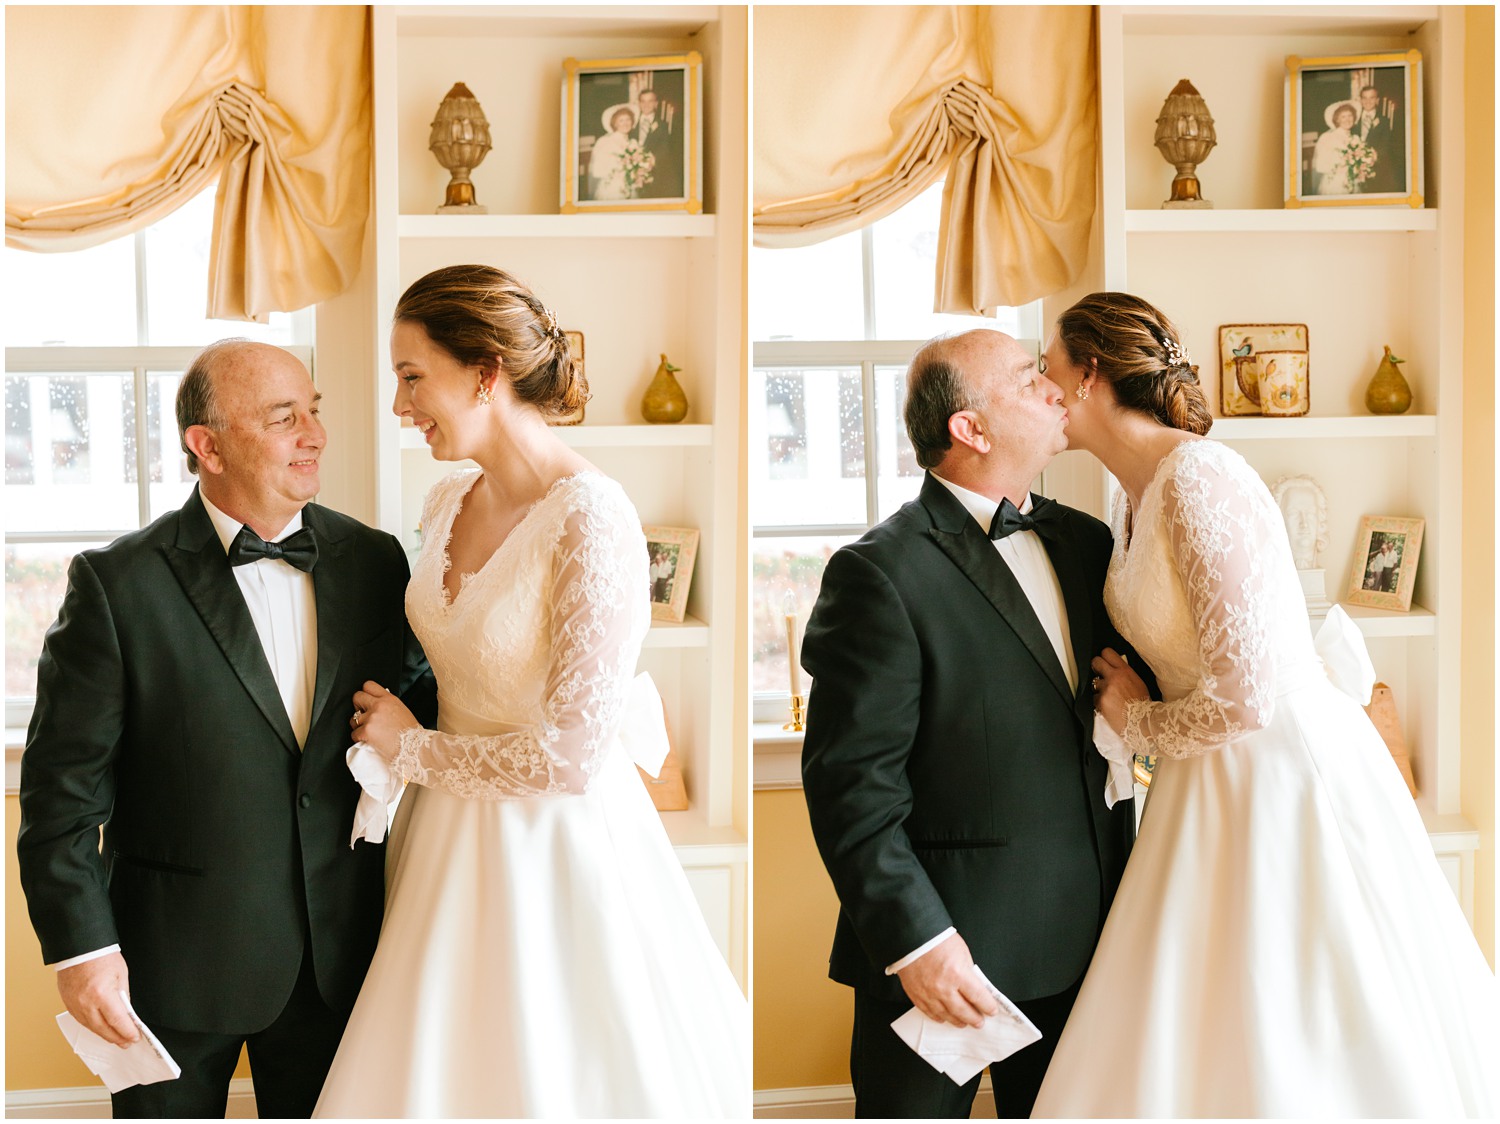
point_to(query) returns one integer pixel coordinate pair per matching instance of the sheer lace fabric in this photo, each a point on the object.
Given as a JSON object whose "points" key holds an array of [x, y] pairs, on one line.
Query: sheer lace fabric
{"points": [[1206, 591], [540, 643]]}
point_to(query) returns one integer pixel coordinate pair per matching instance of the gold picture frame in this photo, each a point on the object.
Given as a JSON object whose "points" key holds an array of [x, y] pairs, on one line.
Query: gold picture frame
{"points": [[1384, 571], [632, 134], [1374, 161], [671, 553]]}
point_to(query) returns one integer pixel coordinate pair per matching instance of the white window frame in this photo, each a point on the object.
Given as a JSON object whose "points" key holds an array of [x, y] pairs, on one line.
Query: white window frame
{"points": [[140, 360]]}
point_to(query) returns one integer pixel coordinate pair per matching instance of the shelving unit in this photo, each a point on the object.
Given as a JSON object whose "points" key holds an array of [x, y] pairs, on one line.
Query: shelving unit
{"points": [[1358, 278], [636, 285]]}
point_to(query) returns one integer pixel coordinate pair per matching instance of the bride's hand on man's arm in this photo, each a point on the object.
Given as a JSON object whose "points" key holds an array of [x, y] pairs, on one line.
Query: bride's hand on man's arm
{"points": [[379, 719], [1115, 684]]}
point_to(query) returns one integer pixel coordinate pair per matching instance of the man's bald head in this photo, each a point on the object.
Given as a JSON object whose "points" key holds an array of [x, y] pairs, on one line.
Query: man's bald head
{"points": [[945, 378], [197, 394]]}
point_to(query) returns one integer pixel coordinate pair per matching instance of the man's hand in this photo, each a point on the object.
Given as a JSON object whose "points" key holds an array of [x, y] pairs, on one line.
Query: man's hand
{"points": [[943, 985], [91, 993]]}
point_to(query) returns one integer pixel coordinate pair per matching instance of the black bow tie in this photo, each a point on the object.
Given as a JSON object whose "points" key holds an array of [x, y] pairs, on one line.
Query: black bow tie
{"points": [[1043, 518], [299, 549]]}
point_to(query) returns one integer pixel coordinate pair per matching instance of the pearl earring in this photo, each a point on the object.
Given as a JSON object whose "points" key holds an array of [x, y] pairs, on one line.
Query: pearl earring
{"points": [[1082, 392], [485, 395]]}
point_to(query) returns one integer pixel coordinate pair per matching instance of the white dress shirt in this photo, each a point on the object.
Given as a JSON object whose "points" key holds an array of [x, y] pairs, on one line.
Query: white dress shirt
{"points": [[1027, 558], [282, 606]]}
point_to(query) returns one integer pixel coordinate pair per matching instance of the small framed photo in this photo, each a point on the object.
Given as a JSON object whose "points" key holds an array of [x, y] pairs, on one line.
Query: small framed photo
{"points": [[575, 349], [1385, 562], [633, 134], [1354, 130], [1241, 368], [670, 553]]}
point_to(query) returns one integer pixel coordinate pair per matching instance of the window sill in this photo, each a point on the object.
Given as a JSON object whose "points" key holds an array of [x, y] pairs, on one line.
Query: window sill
{"points": [[778, 756]]}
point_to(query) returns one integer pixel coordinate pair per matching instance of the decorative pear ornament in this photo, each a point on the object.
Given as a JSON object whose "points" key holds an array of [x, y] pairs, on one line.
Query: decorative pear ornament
{"points": [[1388, 392], [664, 400]]}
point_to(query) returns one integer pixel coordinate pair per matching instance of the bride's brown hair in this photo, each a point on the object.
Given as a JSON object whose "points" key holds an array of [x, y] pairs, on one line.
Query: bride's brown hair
{"points": [[1131, 345], [479, 314]]}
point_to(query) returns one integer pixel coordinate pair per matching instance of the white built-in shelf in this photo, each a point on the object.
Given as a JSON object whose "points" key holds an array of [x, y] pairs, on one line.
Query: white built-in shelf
{"points": [[1253, 19], [587, 436], [698, 843], [629, 224], [1282, 429], [688, 633], [1294, 220], [597, 21], [1386, 622]]}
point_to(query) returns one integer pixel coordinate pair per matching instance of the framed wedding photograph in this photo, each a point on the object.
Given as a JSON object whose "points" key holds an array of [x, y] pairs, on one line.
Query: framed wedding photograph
{"points": [[575, 349], [632, 134], [671, 552], [1385, 562], [1354, 130]]}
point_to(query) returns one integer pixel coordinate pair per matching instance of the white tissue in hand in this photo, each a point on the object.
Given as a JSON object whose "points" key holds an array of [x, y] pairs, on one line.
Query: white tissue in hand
{"points": [[1112, 747], [1342, 647], [144, 1062], [379, 789], [960, 1052]]}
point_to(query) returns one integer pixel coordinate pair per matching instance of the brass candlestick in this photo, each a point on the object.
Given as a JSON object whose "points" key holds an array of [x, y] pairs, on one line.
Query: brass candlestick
{"points": [[1185, 137], [799, 715]]}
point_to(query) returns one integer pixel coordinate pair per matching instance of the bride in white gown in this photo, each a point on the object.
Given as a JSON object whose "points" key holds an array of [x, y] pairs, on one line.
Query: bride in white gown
{"points": [[1283, 943], [542, 954]]}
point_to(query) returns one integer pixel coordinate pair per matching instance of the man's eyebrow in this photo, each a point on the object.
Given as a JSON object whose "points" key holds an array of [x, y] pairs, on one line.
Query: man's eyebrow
{"points": [[289, 404]]}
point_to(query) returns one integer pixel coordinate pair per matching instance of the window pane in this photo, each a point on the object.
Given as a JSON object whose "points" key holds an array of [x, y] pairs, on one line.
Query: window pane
{"points": [[809, 293], [169, 491], [780, 565], [905, 276], [807, 443], [177, 284], [900, 477], [80, 299], [36, 575], [75, 426]]}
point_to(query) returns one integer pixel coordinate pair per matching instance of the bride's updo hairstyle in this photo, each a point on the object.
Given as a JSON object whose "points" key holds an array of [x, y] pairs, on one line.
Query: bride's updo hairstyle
{"points": [[1137, 351], [480, 314]]}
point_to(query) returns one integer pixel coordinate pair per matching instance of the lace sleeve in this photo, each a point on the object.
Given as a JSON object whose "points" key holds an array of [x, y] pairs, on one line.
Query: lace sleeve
{"points": [[598, 618], [1216, 530]]}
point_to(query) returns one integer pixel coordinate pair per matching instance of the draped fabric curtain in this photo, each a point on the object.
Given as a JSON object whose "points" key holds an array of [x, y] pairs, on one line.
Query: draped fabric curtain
{"points": [[859, 109], [117, 116]]}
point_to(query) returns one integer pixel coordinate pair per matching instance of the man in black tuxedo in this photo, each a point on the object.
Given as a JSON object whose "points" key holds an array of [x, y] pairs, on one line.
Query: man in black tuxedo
{"points": [[659, 135], [193, 697], [954, 792], [1376, 127]]}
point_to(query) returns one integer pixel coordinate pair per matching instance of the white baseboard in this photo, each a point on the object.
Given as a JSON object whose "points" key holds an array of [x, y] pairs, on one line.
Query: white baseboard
{"points": [[91, 1102], [836, 1102]]}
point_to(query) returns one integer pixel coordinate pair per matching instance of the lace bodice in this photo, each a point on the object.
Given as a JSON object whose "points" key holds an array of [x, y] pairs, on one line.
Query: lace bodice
{"points": [[535, 654], [1203, 586]]}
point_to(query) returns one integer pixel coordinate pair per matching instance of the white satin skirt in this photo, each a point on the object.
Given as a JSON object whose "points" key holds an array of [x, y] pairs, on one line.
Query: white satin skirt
{"points": [[1283, 944], [542, 958]]}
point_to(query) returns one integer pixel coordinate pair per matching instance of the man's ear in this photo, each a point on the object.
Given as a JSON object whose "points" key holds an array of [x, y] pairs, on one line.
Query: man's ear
{"points": [[966, 428], [204, 445]]}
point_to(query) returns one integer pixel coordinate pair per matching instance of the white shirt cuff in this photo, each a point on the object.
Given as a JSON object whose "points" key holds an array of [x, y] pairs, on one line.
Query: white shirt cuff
{"points": [[70, 961], [922, 951]]}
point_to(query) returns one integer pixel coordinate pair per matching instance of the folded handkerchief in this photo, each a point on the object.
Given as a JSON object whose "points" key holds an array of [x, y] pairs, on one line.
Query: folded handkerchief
{"points": [[1346, 659], [380, 787], [963, 1051], [643, 726], [1111, 747], [119, 1067]]}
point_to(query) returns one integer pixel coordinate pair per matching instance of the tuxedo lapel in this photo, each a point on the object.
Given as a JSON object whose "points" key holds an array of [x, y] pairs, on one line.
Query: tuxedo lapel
{"points": [[1068, 567], [201, 567], [959, 537], [330, 593]]}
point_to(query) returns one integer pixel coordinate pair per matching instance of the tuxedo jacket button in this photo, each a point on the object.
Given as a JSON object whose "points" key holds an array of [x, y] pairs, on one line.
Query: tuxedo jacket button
{"points": [[305, 800]]}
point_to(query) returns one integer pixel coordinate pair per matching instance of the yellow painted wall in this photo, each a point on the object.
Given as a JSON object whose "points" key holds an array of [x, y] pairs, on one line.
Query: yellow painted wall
{"points": [[802, 1018], [1477, 718]]}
